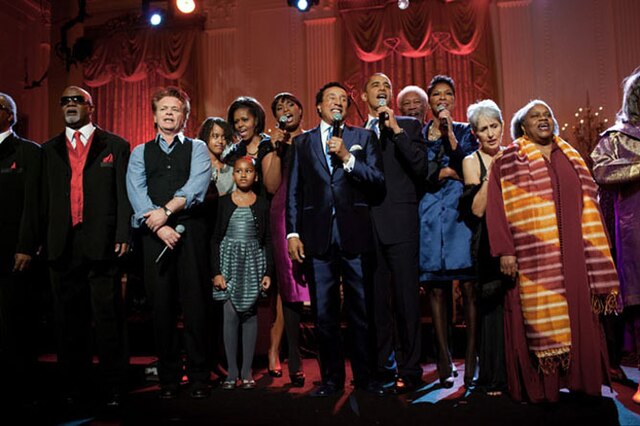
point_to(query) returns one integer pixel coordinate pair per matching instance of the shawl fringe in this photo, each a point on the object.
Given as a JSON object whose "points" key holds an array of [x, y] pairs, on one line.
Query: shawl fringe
{"points": [[550, 360]]}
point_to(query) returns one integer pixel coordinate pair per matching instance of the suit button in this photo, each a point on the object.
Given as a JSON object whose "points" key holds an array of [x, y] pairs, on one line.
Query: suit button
{"points": [[169, 166]]}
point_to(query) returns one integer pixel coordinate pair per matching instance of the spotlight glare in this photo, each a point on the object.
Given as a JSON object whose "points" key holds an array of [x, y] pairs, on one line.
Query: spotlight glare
{"points": [[155, 19], [186, 6], [303, 5], [403, 4]]}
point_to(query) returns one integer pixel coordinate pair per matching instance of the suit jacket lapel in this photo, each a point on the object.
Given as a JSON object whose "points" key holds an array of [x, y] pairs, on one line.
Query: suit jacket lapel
{"points": [[98, 144], [61, 148], [316, 146], [7, 147]]}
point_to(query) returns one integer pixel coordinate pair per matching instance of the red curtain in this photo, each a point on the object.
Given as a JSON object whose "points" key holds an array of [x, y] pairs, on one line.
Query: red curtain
{"points": [[127, 67], [411, 46]]}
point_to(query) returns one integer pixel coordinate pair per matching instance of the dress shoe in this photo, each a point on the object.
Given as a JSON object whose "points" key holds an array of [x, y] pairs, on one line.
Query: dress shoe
{"points": [[469, 382], [297, 380], [373, 387], [229, 384], [446, 382], [275, 373], [168, 392], [324, 391], [114, 400], [199, 390], [617, 374], [248, 384], [403, 386]]}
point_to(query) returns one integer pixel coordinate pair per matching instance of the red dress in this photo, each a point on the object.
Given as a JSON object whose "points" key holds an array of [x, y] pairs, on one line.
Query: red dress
{"points": [[588, 357]]}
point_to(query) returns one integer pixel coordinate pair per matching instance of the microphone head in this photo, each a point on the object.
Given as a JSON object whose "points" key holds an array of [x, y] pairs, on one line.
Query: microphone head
{"points": [[180, 228], [337, 117], [382, 102], [282, 121], [441, 107]]}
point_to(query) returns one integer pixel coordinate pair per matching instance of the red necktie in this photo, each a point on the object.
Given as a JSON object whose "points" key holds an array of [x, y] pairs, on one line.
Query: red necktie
{"points": [[79, 145]]}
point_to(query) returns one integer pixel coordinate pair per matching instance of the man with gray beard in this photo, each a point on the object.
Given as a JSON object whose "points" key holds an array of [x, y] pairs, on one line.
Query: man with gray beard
{"points": [[87, 216]]}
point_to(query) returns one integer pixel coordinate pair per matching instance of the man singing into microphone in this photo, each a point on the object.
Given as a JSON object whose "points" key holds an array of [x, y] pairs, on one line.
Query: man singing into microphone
{"points": [[395, 223], [335, 172], [167, 180]]}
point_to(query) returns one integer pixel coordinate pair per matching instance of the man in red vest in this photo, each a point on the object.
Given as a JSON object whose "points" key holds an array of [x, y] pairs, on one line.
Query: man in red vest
{"points": [[87, 216]]}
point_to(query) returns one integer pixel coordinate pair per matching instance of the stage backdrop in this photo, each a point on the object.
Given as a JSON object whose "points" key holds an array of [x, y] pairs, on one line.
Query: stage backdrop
{"points": [[128, 66], [411, 46]]}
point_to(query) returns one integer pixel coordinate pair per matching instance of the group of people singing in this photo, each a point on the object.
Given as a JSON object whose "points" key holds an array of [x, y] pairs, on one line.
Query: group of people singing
{"points": [[352, 219]]}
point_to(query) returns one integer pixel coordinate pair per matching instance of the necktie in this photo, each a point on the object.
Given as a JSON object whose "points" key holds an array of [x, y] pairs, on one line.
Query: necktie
{"points": [[373, 125], [327, 154], [79, 145]]}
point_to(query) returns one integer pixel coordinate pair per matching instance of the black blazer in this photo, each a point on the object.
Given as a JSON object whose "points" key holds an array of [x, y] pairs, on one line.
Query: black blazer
{"points": [[20, 178], [260, 210], [404, 158], [107, 212], [314, 192]]}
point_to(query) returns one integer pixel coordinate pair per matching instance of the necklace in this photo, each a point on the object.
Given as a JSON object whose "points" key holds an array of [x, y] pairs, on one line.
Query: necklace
{"points": [[253, 154], [433, 133]]}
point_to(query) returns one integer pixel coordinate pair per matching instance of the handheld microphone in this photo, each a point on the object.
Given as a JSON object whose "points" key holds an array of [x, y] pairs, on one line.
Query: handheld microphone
{"points": [[383, 116], [179, 229], [443, 121], [337, 122], [282, 122]]}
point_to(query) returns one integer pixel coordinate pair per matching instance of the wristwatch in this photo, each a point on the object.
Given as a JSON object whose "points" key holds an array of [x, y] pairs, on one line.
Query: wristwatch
{"points": [[167, 211]]}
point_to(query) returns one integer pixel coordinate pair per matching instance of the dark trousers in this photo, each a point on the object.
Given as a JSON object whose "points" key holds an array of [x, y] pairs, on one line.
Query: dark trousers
{"points": [[325, 275], [84, 290], [179, 285], [292, 312], [397, 310], [20, 307]]}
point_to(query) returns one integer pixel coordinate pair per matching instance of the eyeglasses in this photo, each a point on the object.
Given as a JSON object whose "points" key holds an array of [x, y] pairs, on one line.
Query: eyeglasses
{"points": [[79, 100]]}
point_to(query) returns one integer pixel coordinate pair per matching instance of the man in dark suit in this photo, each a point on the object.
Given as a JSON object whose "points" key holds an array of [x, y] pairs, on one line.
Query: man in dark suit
{"points": [[395, 223], [20, 168], [87, 218], [167, 181], [332, 181]]}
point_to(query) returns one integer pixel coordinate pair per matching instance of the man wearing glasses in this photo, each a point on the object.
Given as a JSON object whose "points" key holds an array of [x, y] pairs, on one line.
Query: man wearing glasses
{"points": [[87, 216]]}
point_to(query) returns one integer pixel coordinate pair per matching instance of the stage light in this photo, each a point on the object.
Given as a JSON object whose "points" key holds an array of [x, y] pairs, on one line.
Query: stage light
{"points": [[186, 6], [302, 5], [155, 18], [403, 4]]}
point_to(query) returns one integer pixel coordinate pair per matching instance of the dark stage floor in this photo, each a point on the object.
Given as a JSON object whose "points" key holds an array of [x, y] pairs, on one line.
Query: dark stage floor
{"points": [[274, 402]]}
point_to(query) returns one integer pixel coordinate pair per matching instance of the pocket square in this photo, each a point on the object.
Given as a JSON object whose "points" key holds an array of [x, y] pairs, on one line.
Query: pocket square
{"points": [[355, 148], [14, 166], [108, 159]]}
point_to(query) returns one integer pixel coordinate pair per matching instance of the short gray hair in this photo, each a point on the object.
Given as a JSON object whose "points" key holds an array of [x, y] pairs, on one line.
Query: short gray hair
{"points": [[12, 107], [486, 108], [630, 112], [518, 119], [412, 89]]}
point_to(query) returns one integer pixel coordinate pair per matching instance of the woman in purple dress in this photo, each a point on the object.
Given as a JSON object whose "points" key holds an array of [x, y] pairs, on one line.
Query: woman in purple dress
{"points": [[292, 289]]}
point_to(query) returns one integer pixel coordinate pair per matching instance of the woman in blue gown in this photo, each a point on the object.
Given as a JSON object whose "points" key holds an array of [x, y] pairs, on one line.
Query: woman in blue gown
{"points": [[444, 237]]}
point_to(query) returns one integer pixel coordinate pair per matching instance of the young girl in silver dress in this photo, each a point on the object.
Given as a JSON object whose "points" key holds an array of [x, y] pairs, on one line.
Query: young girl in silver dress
{"points": [[242, 266]]}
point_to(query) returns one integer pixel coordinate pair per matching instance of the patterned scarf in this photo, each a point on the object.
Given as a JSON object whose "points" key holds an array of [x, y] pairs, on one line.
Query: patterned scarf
{"points": [[530, 210]]}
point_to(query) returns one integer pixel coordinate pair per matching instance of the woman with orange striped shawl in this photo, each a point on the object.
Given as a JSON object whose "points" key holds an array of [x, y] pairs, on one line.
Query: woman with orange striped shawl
{"points": [[545, 225]]}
